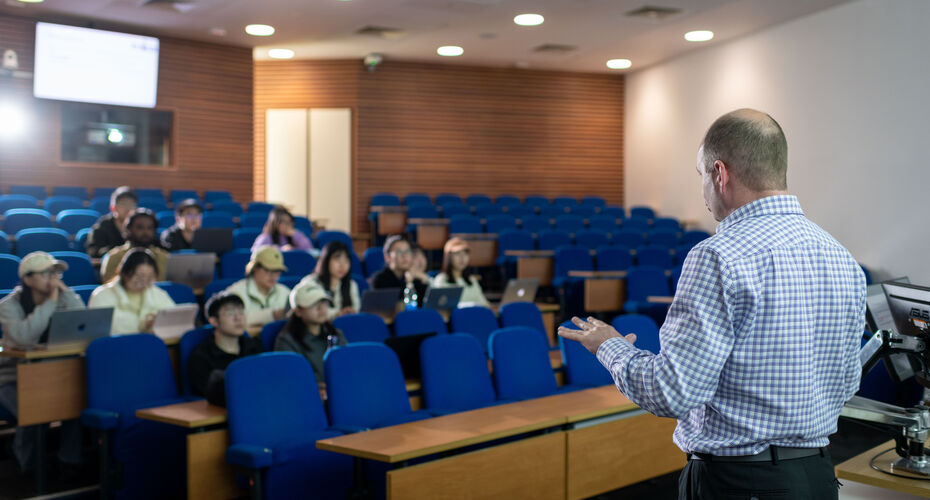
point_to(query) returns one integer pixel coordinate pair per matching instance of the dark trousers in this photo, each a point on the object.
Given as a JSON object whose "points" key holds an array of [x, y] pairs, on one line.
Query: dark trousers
{"points": [[809, 478]]}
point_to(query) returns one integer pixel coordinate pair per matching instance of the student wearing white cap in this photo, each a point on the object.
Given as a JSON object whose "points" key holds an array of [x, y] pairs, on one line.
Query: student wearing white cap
{"points": [[264, 298], [24, 316], [309, 332]]}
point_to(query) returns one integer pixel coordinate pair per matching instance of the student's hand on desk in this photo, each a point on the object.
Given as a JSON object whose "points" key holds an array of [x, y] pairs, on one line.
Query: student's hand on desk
{"points": [[593, 333], [149, 323], [278, 314]]}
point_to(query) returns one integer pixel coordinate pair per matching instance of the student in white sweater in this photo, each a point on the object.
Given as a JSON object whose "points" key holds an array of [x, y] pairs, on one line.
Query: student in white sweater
{"points": [[132, 294], [333, 274], [265, 299], [455, 272]]}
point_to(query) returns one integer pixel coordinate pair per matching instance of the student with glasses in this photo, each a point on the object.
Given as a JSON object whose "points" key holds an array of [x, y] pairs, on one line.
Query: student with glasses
{"points": [[398, 272], [107, 232], [132, 294], [25, 315], [456, 272], [206, 366], [308, 332], [265, 299], [188, 218]]}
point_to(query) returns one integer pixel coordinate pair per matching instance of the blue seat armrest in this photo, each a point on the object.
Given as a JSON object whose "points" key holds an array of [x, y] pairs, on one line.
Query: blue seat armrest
{"points": [[249, 456], [100, 419], [348, 429]]}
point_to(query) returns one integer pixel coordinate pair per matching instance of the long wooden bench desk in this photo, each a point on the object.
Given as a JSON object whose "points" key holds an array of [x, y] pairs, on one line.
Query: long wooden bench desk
{"points": [[858, 469], [597, 441]]}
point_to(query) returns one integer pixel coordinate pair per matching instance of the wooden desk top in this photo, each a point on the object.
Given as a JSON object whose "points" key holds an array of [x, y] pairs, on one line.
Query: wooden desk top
{"points": [[475, 236], [57, 352], [430, 222], [595, 403], [598, 274], [191, 415], [530, 253], [655, 299], [858, 469]]}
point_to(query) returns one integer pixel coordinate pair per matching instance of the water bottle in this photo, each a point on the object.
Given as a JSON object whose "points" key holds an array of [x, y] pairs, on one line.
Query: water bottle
{"points": [[410, 297], [331, 341]]}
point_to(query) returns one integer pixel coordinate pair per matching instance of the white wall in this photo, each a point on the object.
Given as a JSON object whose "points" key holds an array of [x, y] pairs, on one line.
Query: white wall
{"points": [[851, 88]]}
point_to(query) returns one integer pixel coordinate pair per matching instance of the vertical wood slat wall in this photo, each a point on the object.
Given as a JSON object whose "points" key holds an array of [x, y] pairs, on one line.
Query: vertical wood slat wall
{"points": [[207, 86], [445, 128]]}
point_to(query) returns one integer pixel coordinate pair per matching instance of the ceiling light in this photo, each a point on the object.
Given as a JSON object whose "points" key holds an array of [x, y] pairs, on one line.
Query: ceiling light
{"points": [[450, 50], [699, 36], [31, 1], [281, 53], [259, 30], [529, 19], [619, 63]]}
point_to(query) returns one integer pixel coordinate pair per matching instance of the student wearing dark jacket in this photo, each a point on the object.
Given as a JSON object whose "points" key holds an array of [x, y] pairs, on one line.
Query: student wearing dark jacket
{"points": [[188, 217], [107, 232], [309, 332], [207, 363], [399, 268]]}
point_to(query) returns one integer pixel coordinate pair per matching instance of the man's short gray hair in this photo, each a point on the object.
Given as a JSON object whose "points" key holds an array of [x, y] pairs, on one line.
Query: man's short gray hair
{"points": [[753, 145]]}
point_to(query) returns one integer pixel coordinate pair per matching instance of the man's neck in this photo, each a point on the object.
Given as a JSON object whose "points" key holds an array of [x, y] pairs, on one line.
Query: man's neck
{"points": [[227, 343], [745, 197]]}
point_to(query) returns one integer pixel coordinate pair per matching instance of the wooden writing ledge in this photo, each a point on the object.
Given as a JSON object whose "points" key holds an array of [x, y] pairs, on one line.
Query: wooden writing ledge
{"points": [[598, 274], [431, 222], [191, 415], [657, 299], [529, 253], [43, 353], [858, 469]]}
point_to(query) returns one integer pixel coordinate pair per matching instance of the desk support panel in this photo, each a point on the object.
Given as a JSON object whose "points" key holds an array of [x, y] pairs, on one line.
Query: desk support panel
{"points": [[48, 391]]}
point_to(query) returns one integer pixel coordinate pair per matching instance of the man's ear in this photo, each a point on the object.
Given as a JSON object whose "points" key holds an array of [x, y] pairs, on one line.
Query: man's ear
{"points": [[721, 176], [213, 322]]}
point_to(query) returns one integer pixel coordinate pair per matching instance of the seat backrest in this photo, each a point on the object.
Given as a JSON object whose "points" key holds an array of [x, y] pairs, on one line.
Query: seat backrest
{"points": [[520, 211], [553, 210], [100, 204], [520, 359], [550, 239], [150, 193], [11, 201], [581, 367], [477, 321], [73, 220], [385, 200], [694, 236], [324, 237], [189, 341], [535, 200], [4, 243], [80, 268], [46, 239], [298, 262], [217, 286], [515, 239], [37, 192], [643, 281], [667, 237], [362, 327], [259, 207], [654, 255], [179, 293], [645, 328], [507, 200], [641, 211], [102, 192], [272, 398], [444, 198], [55, 204], [477, 199], [218, 220], [627, 237], [591, 238], [153, 204], [603, 221], [572, 259], [178, 195], [165, 219], [364, 385], [536, 223], [414, 198], [615, 212], [565, 201], [583, 211], [455, 373], [17, 219], [127, 370], [78, 192], [80, 239], [228, 206], [636, 222], [616, 258], [9, 271], [419, 321], [420, 210], [374, 260], [499, 222], [570, 223], [270, 333], [669, 223], [485, 210], [214, 196], [593, 201], [232, 263], [673, 279], [465, 224], [84, 291], [245, 237], [255, 220], [523, 314]]}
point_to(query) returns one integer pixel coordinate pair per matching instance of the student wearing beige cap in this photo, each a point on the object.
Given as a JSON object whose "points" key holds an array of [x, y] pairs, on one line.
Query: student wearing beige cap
{"points": [[309, 332], [132, 293], [264, 298], [455, 272], [24, 316]]}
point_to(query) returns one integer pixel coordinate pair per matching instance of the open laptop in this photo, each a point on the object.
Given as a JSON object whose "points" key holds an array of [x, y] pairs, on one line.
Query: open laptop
{"points": [[520, 290], [445, 298], [407, 349], [213, 239], [382, 302], [174, 322], [192, 269], [79, 326]]}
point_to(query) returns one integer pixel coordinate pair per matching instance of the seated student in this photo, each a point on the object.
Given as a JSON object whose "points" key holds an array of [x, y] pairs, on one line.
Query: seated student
{"points": [[308, 332], [398, 272], [208, 361], [188, 217], [420, 264], [332, 274], [24, 316], [133, 294], [279, 231], [264, 298], [107, 232], [455, 272], [140, 233]]}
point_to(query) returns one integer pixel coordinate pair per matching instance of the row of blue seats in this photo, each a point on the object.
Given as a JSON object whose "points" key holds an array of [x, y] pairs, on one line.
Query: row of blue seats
{"points": [[429, 211], [392, 200], [55, 204], [82, 193], [570, 223], [550, 239]]}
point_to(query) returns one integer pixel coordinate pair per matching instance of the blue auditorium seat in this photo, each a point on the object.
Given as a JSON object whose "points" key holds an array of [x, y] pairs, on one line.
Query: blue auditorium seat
{"points": [[477, 321], [455, 374], [74, 220], [17, 219], [80, 269], [78, 192], [11, 201], [55, 204], [581, 367], [419, 321], [362, 327], [37, 192], [521, 365]]}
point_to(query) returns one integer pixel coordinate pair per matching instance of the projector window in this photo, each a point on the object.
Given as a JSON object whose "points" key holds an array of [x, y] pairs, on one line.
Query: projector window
{"points": [[93, 133]]}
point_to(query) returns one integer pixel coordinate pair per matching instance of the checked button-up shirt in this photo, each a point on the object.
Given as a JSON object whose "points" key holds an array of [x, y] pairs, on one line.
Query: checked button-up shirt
{"points": [[760, 346]]}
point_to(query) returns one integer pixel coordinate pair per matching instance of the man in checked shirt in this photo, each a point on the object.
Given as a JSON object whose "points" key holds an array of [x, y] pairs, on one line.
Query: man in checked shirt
{"points": [[760, 346]]}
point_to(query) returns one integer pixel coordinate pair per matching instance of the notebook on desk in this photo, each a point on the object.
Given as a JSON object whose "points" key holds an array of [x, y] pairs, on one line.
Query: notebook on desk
{"points": [[520, 290], [192, 269], [79, 326], [173, 322]]}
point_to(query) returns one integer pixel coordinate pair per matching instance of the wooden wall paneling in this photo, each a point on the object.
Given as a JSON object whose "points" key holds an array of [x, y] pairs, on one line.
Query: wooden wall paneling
{"points": [[207, 86]]}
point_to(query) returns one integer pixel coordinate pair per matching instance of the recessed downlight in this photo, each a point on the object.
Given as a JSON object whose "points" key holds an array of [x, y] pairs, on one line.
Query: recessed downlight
{"points": [[281, 53], [259, 30], [699, 36], [450, 50], [31, 1], [529, 19], [619, 63]]}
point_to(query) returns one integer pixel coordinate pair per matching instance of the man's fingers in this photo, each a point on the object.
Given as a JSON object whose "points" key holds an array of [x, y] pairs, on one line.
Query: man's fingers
{"points": [[596, 322], [578, 322], [570, 334], [631, 338]]}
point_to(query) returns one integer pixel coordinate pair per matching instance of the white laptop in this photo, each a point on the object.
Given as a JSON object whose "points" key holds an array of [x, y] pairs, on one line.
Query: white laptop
{"points": [[173, 322], [520, 290], [192, 269]]}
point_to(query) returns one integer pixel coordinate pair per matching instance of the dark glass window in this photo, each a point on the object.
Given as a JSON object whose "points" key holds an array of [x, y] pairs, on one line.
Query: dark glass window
{"points": [[96, 133]]}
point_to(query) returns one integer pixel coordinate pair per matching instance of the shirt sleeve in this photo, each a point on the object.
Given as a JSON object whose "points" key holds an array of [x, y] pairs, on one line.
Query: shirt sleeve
{"points": [[696, 338], [356, 304], [262, 240], [25, 331], [301, 241], [854, 365]]}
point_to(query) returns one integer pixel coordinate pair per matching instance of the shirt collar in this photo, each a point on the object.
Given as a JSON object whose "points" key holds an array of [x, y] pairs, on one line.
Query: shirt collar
{"points": [[783, 204]]}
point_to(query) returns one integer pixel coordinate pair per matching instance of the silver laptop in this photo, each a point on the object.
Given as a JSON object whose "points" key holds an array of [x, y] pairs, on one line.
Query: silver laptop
{"points": [[520, 290], [192, 269], [79, 326], [174, 322], [382, 302], [443, 298]]}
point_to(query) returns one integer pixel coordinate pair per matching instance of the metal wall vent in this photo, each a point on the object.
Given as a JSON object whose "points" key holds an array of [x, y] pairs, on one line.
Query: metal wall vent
{"points": [[555, 48], [381, 32], [653, 12]]}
